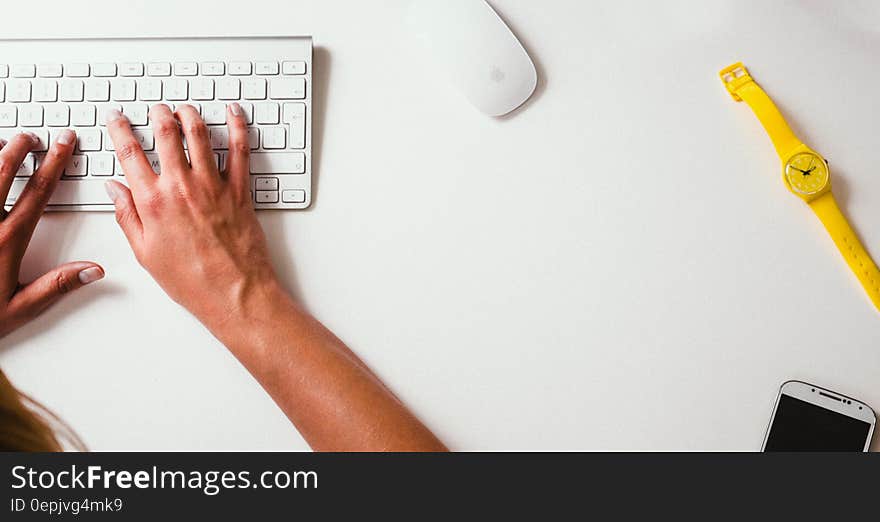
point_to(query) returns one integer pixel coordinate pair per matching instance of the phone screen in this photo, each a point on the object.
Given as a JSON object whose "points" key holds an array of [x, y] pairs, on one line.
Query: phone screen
{"points": [[801, 426]]}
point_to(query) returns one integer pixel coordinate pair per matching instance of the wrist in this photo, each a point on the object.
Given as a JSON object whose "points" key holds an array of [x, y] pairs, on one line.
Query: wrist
{"points": [[253, 306]]}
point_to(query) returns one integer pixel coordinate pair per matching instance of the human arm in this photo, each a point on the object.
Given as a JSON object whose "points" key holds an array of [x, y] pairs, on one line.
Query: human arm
{"points": [[194, 229]]}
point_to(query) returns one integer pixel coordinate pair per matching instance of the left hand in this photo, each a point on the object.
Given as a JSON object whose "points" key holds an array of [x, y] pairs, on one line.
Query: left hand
{"points": [[21, 303]]}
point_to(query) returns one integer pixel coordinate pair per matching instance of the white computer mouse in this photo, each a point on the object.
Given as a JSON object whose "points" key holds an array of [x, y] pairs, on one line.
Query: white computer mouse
{"points": [[476, 51]]}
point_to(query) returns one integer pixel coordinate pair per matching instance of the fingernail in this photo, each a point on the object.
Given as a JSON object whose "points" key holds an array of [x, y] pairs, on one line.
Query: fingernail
{"points": [[34, 138], [67, 137], [112, 115], [90, 275], [235, 108], [112, 191]]}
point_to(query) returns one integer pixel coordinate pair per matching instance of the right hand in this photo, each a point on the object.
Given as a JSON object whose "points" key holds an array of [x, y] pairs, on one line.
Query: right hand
{"points": [[193, 228]]}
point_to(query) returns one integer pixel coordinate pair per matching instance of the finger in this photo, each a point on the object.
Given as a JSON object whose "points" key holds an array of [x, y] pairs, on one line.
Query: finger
{"points": [[138, 171], [168, 142], [11, 157], [126, 214], [239, 157], [33, 200], [35, 297], [201, 155]]}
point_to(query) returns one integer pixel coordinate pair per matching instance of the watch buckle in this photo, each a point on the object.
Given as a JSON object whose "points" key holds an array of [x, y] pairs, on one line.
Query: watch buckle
{"points": [[735, 77]]}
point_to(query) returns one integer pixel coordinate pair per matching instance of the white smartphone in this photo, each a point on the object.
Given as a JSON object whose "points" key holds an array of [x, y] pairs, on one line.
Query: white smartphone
{"points": [[810, 418]]}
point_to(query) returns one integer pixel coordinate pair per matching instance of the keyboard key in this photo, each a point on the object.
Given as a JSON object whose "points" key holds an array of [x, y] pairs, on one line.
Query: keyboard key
{"points": [[254, 88], [8, 116], [274, 138], [266, 68], [146, 138], [149, 89], [202, 89], [31, 116], [2, 91], [159, 69], [254, 138], [104, 109], [155, 163], [69, 192], [97, 90], [76, 168], [219, 138], [213, 68], [264, 196], [169, 105], [278, 163], [24, 70], [101, 165], [293, 68], [89, 140], [104, 70], [295, 117], [123, 90], [240, 69], [50, 70], [176, 90], [137, 113], [248, 109], [27, 167], [83, 115], [131, 69], [57, 115], [267, 113], [108, 141], [293, 196], [42, 140], [4, 71], [229, 89], [186, 69], [54, 134], [266, 183], [45, 91], [287, 88], [78, 70], [214, 113], [72, 91], [18, 91]]}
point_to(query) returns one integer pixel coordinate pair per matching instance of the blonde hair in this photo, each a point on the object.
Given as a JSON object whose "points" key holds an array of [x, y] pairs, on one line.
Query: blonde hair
{"points": [[27, 426]]}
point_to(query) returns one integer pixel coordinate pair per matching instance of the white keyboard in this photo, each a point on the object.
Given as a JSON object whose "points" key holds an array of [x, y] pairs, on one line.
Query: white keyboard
{"points": [[49, 85]]}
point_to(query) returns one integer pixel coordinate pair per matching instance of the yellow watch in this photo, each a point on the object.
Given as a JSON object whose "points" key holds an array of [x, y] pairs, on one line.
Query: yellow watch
{"points": [[806, 174]]}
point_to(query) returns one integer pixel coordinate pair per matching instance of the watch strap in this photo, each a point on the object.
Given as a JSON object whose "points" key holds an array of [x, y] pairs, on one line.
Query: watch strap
{"points": [[847, 241], [742, 87]]}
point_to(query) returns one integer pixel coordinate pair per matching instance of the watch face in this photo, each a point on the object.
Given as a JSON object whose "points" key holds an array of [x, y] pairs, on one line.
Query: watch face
{"points": [[807, 173]]}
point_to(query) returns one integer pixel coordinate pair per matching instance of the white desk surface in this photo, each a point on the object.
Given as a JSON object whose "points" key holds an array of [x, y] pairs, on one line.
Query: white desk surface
{"points": [[617, 267]]}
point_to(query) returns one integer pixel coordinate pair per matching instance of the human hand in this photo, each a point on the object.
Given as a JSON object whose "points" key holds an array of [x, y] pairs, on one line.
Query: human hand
{"points": [[21, 303], [193, 228]]}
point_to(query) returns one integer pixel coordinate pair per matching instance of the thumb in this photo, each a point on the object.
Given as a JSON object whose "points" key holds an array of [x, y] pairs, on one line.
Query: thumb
{"points": [[32, 299], [126, 212]]}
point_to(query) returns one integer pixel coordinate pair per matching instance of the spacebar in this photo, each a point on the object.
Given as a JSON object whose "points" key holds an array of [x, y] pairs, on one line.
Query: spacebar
{"points": [[68, 193]]}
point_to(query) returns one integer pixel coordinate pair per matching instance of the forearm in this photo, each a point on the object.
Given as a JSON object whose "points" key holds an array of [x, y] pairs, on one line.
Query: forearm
{"points": [[334, 400]]}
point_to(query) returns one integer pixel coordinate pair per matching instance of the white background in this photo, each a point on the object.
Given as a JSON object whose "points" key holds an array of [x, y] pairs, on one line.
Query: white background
{"points": [[616, 267]]}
